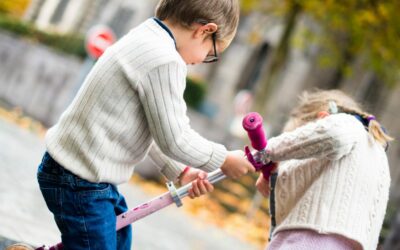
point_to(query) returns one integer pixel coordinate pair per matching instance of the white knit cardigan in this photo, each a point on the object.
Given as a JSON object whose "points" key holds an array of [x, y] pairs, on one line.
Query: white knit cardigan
{"points": [[333, 178]]}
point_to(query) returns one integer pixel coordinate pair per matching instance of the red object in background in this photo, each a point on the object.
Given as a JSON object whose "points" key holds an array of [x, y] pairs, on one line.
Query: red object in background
{"points": [[98, 39]]}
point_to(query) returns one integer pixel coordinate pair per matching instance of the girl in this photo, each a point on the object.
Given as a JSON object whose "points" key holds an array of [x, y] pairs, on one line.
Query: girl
{"points": [[333, 179]]}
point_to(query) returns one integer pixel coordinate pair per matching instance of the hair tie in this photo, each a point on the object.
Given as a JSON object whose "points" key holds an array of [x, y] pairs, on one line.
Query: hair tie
{"points": [[371, 117]]}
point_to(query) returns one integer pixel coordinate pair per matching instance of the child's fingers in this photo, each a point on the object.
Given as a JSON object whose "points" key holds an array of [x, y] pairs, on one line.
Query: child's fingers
{"points": [[199, 188], [202, 175], [190, 193], [251, 168], [209, 187], [262, 186], [203, 187], [195, 188], [264, 192]]}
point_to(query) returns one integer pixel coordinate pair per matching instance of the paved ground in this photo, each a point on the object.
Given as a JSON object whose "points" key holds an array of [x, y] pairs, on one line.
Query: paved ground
{"points": [[25, 218]]}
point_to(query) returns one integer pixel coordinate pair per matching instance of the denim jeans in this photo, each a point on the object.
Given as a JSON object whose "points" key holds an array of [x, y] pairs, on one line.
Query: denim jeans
{"points": [[84, 212]]}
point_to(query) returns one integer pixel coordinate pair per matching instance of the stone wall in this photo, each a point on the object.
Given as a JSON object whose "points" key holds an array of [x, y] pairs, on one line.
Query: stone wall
{"points": [[39, 80]]}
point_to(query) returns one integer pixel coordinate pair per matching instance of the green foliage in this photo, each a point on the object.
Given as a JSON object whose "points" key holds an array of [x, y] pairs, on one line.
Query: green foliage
{"points": [[194, 93], [350, 29], [249, 5], [361, 28], [71, 44]]}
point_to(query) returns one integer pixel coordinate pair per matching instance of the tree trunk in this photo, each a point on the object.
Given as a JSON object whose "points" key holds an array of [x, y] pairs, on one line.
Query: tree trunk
{"points": [[277, 60]]}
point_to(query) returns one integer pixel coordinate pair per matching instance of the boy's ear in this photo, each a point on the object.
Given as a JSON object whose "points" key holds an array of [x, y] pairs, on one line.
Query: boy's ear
{"points": [[205, 30]]}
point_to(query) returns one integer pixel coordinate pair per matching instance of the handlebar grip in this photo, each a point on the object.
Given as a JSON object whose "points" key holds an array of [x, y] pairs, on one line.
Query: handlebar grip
{"points": [[253, 124]]}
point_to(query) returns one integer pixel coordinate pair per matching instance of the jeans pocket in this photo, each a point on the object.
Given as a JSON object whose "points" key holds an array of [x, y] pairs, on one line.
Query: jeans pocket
{"points": [[52, 198], [47, 179], [88, 190]]}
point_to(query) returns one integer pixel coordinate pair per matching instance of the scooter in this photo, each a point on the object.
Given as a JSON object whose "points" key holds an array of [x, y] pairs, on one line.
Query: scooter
{"points": [[252, 123]]}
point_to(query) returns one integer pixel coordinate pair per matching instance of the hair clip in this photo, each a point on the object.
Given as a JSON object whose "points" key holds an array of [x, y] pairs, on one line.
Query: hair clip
{"points": [[333, 109]]}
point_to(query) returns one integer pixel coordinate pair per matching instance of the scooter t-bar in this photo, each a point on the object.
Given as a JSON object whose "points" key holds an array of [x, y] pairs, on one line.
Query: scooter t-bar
{"points": [[173, 196], [253, 124]]}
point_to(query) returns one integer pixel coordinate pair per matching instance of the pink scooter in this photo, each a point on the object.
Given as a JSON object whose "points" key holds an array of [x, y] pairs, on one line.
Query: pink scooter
{"points": [[252, 123]]}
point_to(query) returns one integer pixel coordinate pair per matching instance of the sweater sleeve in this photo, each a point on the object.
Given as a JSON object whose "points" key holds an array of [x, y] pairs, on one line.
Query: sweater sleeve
{"points": [[161, 94], [332, 137], [169, 168]]}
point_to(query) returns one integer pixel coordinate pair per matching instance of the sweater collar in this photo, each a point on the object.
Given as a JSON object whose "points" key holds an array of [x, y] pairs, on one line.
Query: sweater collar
{"points": [[165, 27]]}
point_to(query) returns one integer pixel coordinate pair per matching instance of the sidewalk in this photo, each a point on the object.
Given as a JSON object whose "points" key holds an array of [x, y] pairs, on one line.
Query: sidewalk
{"points": [[5, 242], [25, 218]]}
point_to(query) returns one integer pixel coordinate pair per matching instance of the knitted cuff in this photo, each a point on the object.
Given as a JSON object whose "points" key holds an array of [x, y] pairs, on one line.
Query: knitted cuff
{"points": [[173, 170], [217, 158]]}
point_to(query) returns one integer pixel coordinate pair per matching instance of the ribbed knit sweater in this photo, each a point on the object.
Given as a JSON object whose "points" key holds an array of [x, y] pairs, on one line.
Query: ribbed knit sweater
{"points": [[131, 103], [333, 178]]}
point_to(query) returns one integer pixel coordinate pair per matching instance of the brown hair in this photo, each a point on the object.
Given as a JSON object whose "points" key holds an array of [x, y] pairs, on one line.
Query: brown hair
{"points": [[224, 13], [311, 104]]}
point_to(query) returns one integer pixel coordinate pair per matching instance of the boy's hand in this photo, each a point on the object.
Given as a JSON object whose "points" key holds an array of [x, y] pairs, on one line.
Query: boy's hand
{"points": [[236, 165], [263, 185], [200, 184]]}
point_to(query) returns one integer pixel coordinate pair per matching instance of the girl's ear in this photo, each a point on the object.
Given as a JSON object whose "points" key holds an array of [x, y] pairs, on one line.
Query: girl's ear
{"points": [[205, 30], [322, 114]]}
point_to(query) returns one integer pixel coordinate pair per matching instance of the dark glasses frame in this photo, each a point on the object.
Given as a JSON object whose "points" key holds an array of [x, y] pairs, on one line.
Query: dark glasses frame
{"points": [[212, 58]]}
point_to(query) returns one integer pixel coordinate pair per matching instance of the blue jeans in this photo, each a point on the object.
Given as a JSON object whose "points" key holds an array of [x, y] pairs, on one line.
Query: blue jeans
{"points": [[84, 212]]}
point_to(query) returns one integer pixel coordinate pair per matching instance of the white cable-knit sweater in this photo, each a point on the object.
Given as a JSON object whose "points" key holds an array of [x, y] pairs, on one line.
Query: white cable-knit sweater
{"points": [[132, 102], [333, 178]]}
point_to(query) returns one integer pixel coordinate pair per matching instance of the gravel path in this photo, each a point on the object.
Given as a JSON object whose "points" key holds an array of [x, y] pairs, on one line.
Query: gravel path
{"points": [[25, 218]]}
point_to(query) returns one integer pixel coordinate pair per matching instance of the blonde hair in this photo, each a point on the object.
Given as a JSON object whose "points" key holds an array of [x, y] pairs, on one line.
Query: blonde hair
{"points": [[311, 104], [224, 13]]}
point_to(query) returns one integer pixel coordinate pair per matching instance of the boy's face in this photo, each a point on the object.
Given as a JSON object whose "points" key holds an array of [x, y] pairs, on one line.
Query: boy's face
{"points": [[200, 45]]}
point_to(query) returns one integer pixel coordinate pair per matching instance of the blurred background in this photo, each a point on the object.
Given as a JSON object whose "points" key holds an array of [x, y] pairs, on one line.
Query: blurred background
{"points": [[282, 48]]}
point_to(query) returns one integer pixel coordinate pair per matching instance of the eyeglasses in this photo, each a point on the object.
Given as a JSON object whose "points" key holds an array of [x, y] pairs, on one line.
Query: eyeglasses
{"points": [[212, 58]]}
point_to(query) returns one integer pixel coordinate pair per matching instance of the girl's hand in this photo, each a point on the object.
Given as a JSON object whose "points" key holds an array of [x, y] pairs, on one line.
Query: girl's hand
{"points": [[200, 184], [263, 185]]}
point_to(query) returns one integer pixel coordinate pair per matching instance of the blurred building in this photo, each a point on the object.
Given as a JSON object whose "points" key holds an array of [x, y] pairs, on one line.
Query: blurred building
{"points": [[77, 16]]}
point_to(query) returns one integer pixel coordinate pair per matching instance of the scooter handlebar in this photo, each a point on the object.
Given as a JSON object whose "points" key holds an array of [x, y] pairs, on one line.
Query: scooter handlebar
{"points": [[253, 124]]}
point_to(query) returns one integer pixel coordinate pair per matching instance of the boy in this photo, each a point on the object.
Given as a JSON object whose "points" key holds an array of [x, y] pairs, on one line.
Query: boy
{"points": [[130, 105]]}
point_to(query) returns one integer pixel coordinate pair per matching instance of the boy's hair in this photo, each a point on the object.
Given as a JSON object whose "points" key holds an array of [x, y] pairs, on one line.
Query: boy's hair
{"points": [[311, 104], [224, 13]]}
